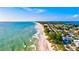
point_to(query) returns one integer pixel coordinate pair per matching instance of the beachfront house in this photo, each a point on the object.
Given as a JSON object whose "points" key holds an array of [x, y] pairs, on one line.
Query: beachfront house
{"points": [[76, 42]]}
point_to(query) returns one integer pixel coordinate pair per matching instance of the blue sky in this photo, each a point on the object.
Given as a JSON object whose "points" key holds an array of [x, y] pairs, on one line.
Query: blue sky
{"points": [[39, 14]]}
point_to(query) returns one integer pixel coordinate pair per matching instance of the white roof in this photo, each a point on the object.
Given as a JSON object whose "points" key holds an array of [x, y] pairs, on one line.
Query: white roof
{"points": [[76, 43]]}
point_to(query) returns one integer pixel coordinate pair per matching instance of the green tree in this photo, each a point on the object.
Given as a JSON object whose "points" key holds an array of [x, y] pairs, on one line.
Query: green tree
{"points": [[59, 38]]}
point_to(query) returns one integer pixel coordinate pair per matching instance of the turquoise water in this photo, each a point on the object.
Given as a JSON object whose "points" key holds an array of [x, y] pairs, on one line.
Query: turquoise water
{"points": [[14, 35]]}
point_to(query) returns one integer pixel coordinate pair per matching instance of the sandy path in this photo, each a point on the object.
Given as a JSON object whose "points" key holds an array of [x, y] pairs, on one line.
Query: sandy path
{"points": [[43, 43]]}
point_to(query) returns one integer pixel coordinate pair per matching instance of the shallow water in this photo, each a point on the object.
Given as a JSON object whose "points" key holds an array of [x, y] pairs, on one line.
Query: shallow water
{"points": [[16, 36]]}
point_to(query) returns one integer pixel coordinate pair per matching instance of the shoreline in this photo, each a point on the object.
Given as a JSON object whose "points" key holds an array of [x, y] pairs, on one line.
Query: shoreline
{"points": [[42, 44]]}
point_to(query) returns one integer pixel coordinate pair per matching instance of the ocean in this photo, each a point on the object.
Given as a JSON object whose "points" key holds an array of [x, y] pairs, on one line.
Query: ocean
{"points": [[17, 36], [68, 22], [71, 22]]}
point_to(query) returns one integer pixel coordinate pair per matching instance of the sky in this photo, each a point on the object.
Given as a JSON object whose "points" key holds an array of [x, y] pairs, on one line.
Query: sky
{"points": [[39, 14]]}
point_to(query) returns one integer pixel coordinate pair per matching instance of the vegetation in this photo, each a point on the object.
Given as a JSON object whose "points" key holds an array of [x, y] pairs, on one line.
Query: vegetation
{"points": [[59, 39], [55, 38], [54, 31], [77, 48]]}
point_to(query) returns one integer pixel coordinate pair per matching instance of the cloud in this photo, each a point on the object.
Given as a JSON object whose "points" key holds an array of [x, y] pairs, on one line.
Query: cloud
{"points": [[27, 9], [40, 11], [34, 10], [75, 16], [33, 14]]}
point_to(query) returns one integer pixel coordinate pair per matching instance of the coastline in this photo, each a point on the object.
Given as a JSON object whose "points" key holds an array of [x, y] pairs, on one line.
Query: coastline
{"points": [[42, 44]]}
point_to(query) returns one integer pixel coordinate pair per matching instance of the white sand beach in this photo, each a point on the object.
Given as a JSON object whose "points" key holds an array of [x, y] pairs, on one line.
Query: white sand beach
{"points": [[43, 43]]}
